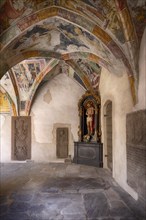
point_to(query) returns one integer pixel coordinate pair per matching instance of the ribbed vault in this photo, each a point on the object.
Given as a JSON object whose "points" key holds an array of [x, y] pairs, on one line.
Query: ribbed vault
{"points": [[77, 37]]}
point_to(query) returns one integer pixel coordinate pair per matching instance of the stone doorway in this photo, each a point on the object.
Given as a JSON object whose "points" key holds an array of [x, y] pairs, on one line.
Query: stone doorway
{"points": [[109, 135], [62, 142]]}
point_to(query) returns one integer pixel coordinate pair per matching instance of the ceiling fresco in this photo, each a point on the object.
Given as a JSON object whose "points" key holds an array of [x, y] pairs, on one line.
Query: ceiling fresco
{"points": [[138, 13], [25, 74], [42, 38], [92, 70]]}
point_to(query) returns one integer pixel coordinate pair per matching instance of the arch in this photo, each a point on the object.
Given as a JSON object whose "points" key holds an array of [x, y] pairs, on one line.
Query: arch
{"points": [[78, 20], [36, 83], [66, 56], [49, 67], [74, 15]]}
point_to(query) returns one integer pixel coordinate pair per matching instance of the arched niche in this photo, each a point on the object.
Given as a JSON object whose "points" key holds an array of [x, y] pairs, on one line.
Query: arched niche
{"points": [[85, 133]]}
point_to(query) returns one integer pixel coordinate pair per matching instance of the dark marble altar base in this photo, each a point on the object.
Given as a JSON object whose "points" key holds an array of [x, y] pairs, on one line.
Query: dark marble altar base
{"points": [[63, 192], [88, 153]]}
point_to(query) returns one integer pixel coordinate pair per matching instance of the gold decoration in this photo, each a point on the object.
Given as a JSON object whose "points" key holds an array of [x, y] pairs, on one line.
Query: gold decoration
{"points": [[132, 86], [92, 98], [4, 103]]}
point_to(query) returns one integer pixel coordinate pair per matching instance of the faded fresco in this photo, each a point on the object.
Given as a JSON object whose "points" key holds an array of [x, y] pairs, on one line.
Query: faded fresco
{"points": [[106, 36], [8, 86], [19, 82], [25, 73], [72, 73], [92, 70], [78, 37], [111, 20], [62, 37], [4, 103], [11, 10], [51, 35], [138, 12]]}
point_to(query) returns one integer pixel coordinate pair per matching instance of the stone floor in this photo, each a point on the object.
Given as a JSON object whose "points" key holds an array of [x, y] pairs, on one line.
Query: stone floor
{"points": [[59, 191]]}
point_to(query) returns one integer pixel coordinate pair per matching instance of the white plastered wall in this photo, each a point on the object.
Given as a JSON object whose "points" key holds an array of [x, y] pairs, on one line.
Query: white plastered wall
{"points": [[117, 90], [5, 138], [55, 106], [142, 75]]}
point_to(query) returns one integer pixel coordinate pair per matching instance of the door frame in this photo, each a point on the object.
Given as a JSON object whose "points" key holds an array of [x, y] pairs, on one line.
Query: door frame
{"points": [[105, 135]]}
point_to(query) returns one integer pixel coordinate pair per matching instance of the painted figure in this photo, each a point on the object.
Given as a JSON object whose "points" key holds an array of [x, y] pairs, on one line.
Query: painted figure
{"points": [[90, 118]]}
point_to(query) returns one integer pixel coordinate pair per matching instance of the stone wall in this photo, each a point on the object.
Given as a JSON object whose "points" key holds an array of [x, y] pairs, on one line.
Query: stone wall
{"points": [[56, 106], [141, 102], [136, 153]]}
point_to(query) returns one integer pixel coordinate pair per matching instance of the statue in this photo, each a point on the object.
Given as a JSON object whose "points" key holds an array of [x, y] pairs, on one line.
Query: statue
{"points": [[90, 118], [89, 115]]}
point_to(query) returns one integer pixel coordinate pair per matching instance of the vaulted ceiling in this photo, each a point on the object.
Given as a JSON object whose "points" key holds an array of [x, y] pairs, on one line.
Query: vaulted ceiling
{"points": [[42, 38]]}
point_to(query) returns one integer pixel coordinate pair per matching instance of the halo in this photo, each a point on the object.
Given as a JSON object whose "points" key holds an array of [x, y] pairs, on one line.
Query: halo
{"points": [[89, 102]]}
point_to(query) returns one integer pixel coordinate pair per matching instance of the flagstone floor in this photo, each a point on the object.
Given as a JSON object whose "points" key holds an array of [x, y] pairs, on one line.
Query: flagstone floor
{"points": [[59, 191]]}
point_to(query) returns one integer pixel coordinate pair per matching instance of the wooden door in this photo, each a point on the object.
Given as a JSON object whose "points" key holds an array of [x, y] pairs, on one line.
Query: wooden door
{"points": [[62, 142], [109, 135]]}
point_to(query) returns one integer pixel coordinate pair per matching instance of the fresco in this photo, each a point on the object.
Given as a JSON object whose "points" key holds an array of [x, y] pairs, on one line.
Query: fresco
{"points": [[93, 71], [103, 29], [39, 79], [6, 83], [10, 10], [4, 103], [69, 71], [47, 36], [138, 12], [62, 37], [25, 74], [107, 9]]}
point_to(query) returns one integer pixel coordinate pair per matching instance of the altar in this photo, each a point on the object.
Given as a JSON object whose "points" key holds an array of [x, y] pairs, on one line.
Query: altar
{"points": [[88, 149], [88, 153]]}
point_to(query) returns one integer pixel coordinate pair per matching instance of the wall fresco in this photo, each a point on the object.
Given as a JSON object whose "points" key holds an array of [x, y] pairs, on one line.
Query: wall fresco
{"points": [[4, 103], [6, 83]]}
